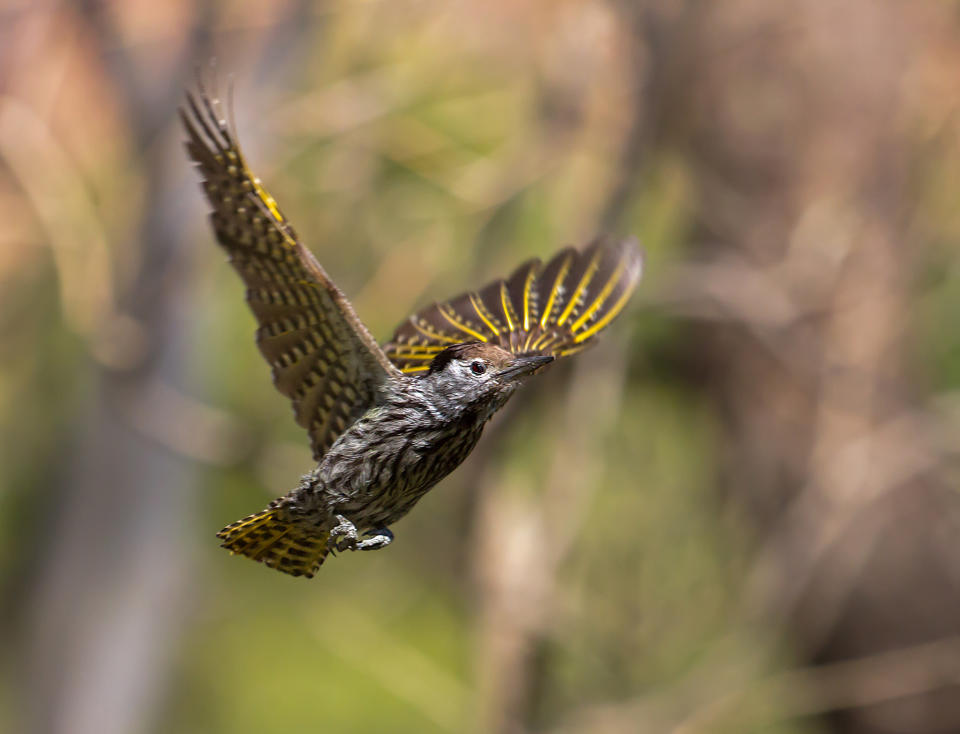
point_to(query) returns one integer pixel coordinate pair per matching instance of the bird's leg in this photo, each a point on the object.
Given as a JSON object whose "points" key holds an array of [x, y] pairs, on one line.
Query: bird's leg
{"points": [[379, 538], [347, 531]]}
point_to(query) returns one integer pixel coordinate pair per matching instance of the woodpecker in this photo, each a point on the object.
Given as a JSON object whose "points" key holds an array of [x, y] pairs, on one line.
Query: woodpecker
{"points": [[386, 424]]}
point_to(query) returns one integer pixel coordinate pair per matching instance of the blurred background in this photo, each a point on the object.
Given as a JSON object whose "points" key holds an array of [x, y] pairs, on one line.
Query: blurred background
{"points": [[738, 513]]}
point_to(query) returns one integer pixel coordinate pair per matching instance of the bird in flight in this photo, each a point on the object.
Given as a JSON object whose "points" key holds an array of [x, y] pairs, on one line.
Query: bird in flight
{"points": [[385, 423]]}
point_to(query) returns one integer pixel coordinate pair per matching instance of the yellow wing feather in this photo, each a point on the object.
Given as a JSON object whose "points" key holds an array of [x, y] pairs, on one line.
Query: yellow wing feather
{"points": [[322, 356], [580, 293]]}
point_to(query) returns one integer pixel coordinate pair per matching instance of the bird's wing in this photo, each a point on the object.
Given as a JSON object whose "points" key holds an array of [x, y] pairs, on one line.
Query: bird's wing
{"points": [[557, 308], [323, 357]]}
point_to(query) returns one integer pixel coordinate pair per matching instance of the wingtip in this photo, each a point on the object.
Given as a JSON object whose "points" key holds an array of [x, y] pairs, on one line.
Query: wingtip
{"points": [[631, 248], [638, 255]]}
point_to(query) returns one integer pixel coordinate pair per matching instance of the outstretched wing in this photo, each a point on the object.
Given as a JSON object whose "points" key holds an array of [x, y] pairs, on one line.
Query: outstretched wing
{"points": [[323, 357], [557, 308]]}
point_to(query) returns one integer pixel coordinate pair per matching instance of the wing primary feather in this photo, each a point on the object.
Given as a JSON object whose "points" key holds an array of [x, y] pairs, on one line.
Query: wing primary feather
{"points": [[588, 274], [551, 309], [412, 355], [460, 325], [555, 289], [601, 297], [632, 260], [481, 312], [308, 330], [202, 122], [527, 285], [224, 141], [432, 334], [526, 342], [607, 317], [505, 305]]}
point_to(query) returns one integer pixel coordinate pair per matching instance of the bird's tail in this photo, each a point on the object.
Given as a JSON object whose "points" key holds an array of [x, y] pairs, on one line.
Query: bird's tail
{"points": [[278, 543]]}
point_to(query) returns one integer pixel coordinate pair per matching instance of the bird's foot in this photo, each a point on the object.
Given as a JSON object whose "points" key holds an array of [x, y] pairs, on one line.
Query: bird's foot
{"points": [[379, 538], [343, 535]]}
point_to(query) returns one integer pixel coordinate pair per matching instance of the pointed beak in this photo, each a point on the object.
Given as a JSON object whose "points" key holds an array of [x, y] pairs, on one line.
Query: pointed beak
{"points": [[524, 366]]}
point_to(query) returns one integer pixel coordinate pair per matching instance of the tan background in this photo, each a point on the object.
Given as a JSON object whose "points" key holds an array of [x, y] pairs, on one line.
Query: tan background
{"points": [[739, 513]]}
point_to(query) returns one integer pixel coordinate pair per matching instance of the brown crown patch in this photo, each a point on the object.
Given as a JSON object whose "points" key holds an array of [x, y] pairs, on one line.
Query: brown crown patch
{"points": [[492, 354]]}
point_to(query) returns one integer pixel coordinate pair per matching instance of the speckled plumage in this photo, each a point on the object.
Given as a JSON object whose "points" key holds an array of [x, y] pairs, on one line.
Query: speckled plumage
{"points": [[386, 424], [417, 433]]}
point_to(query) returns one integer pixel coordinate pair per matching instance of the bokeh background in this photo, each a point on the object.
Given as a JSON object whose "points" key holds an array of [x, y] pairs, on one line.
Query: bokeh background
{"points": [[738, 513]]}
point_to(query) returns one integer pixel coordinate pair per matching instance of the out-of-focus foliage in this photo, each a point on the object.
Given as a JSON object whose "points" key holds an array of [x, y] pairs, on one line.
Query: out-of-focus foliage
{"points": [[711, 522]]}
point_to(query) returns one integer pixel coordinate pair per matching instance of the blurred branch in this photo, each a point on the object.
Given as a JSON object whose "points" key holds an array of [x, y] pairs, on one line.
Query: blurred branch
{"points": [[848, 684], [710, 704], [651, 29], [827, 419], [864, 470], [159, 412], [73, 229], [521, 542], [149, 100]]}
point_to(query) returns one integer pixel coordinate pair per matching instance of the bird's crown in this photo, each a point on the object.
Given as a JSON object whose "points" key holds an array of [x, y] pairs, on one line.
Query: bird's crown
{"points": [[490, 355]]}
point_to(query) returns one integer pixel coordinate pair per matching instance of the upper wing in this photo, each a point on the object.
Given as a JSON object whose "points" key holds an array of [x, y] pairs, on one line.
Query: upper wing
{"points": [[555, 308], [323, 357]]}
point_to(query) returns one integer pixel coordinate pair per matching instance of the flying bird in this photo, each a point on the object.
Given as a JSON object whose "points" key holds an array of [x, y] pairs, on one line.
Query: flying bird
{"points": [[385, 423]]}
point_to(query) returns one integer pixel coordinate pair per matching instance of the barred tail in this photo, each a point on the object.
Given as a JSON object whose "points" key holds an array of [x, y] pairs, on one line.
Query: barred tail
{"points": [[278, 543]]}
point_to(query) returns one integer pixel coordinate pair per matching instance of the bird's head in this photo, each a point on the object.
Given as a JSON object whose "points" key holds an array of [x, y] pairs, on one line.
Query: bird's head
{"points": [[480, 375]]}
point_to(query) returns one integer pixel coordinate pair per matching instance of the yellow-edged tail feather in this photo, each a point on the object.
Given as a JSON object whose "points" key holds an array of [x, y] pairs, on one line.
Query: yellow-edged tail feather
{"points": [[278, 543]]}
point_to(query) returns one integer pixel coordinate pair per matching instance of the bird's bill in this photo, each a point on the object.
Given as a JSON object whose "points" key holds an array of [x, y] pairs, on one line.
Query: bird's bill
{"points": [[524, 366]]}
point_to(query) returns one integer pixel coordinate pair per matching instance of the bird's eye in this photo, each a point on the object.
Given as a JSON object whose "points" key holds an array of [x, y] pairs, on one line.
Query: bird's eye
{"points": [[478, 368]]}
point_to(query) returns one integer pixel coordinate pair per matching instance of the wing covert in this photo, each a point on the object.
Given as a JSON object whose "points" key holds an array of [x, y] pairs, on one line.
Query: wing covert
{"points": [[322, 356], [557, 308]]}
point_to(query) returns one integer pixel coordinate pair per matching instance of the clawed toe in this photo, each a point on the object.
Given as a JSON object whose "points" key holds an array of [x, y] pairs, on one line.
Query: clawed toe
{"points": [[380, 538], [343, 536]]}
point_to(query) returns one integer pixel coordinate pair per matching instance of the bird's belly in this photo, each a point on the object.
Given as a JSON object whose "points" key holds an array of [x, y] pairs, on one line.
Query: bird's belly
{"points": [[392, 482]]}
